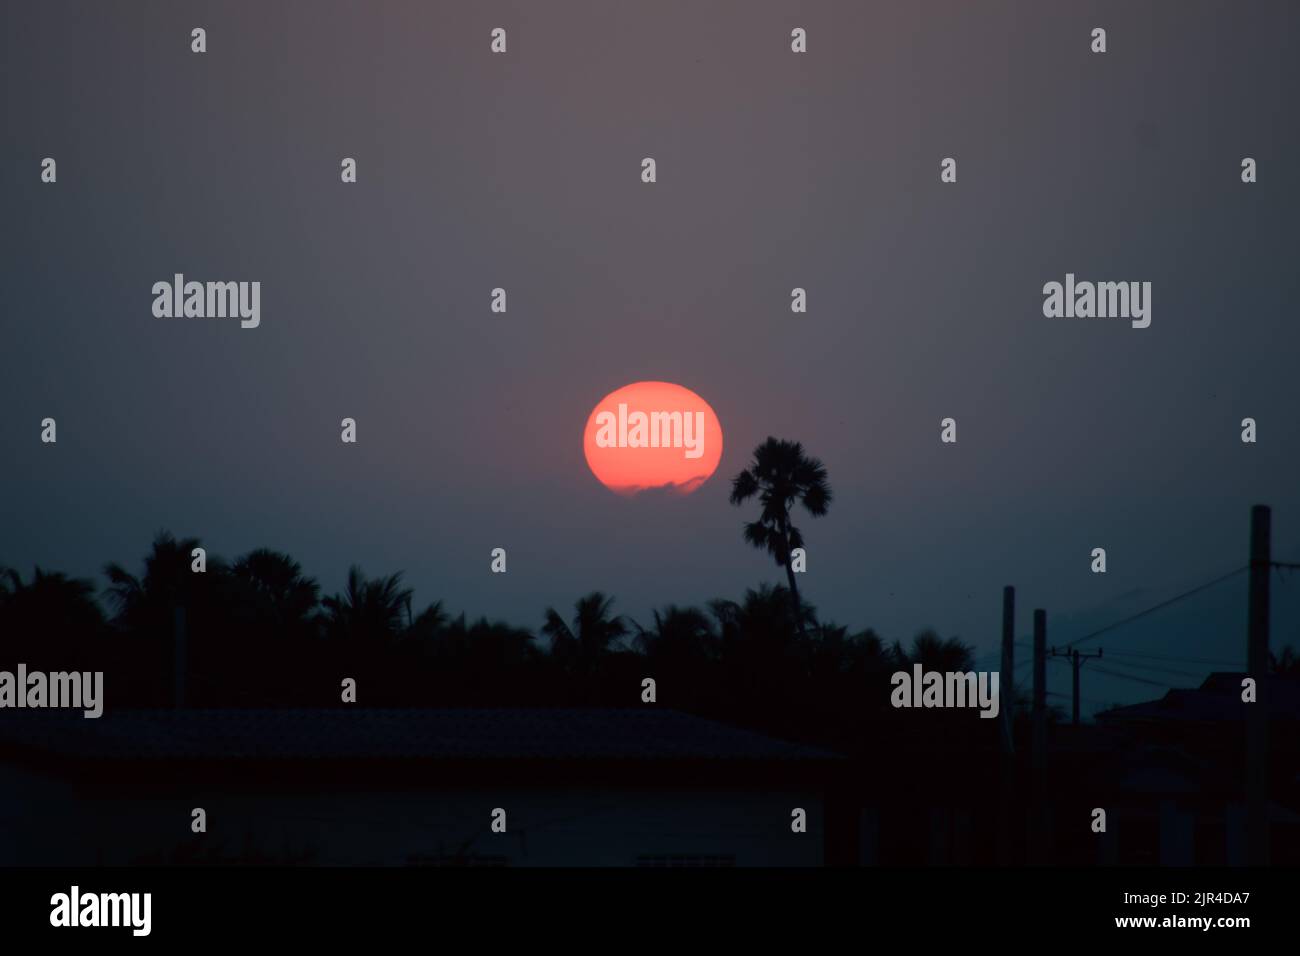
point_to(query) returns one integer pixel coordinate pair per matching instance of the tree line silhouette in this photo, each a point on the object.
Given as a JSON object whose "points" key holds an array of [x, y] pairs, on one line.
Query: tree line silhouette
{"points": [[259, 633]]}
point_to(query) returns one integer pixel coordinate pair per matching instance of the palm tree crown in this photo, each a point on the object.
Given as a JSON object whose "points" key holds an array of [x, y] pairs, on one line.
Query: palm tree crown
{"points": [[369, 608], [594, 629]]}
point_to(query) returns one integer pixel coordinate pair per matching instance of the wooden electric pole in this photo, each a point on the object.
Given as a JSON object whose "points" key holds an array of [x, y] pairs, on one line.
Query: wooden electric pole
{"points": [[1038, 796], [1006, 704], [1005, 684], [1257, 828]]}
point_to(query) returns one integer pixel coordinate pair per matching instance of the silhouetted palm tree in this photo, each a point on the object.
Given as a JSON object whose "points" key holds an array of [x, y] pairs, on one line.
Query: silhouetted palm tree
{"points": [[485, 646], [276, 594], [594, 629], [51, 603], [368, 609], [762, 627], [681, 636], [429, 623], [781, 475], [833, 650], [933, 653], [168, 582]]}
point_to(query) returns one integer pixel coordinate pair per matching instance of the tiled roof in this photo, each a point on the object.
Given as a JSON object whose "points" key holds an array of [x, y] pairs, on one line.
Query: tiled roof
{"points": [[353, 733]]}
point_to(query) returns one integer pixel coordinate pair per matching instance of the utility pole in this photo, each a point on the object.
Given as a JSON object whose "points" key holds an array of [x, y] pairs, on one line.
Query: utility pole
{"points": [[1040, 690], [1006, 705], [1257, 828], [1076, 661], [1038, 809]]}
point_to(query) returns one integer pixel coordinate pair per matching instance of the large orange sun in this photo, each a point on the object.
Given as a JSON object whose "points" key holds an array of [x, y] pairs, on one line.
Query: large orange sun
{"points": [[652, 435]]}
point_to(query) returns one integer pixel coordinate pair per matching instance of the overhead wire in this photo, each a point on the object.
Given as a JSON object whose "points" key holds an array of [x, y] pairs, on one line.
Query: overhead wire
{"points": [[1155, 607]]}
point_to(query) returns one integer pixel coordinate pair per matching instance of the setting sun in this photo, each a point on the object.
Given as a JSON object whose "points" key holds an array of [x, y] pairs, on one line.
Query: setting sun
{"points": [[652, 435]]}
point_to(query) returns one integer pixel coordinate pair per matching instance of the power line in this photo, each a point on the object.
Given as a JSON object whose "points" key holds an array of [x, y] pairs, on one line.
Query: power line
{"points": [[1156, 607], [1157, 668], [1176, 660], [1132, 677], [1086, 700]]}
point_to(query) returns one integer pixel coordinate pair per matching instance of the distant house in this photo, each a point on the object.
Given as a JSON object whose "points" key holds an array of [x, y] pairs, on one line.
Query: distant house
{"points": [[1178, 791], [406, 787], [1170, 775], [1216, 701]]}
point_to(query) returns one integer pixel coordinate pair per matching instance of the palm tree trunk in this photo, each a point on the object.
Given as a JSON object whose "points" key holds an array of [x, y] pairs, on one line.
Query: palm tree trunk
{"points": [[789, 574]]}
